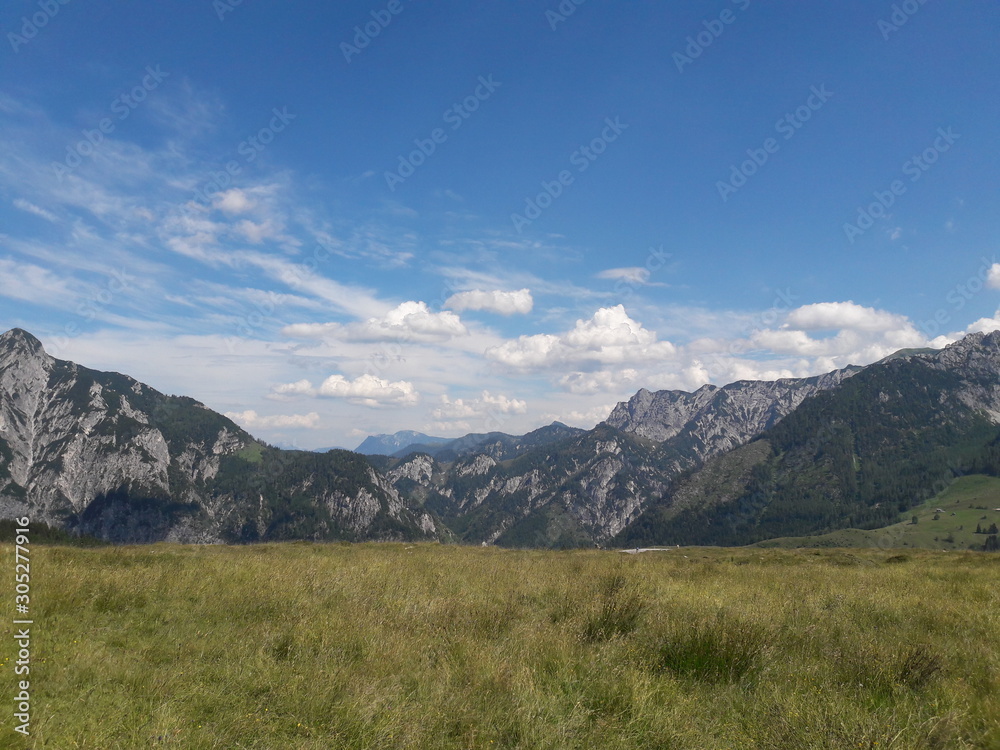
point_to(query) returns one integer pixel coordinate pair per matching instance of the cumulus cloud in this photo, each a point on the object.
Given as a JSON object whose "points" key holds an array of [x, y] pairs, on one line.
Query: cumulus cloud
{"points": [[366, 390], [835, 316], [503, 303], [985, 325], [601, 381], [486, 405], [298, 388], [609, 337], [251, 420], [410, 321], [993, 276]]}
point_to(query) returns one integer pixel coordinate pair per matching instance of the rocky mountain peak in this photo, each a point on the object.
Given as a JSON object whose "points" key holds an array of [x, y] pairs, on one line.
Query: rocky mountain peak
{"points": [[102, 454], [19, 344], [716, 419]]}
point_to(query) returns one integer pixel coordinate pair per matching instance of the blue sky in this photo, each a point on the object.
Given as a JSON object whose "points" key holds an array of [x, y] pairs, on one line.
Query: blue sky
{"points": [[492, 216]]}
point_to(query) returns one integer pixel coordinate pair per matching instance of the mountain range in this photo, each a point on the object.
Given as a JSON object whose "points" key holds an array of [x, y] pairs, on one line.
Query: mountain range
{"points": [[386, 445], [102, 454]]}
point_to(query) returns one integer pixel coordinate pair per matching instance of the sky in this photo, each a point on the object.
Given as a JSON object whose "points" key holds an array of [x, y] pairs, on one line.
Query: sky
{"points": [[330, 220]]}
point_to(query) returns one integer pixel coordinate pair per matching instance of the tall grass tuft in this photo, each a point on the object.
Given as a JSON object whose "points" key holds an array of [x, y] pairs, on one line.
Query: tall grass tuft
{"points": [[621, 609], [722, 649]]}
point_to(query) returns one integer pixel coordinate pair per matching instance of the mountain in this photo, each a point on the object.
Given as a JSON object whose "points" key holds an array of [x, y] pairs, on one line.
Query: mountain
{"points": [[101, 454], [894, 434], [575, 491], [497, 445], [386, 445], [713, 420], [560, 486]]}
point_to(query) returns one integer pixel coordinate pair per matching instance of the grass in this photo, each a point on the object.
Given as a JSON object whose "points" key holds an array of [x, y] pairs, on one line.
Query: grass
{"points": [[969, 501], [430, 646]]}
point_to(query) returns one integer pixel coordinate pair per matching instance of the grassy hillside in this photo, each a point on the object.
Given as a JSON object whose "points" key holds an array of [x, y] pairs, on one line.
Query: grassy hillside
{"points": [[428, 646], [967, 503]]}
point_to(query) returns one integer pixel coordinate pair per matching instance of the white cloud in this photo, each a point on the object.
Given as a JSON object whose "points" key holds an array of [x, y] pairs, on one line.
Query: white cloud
{"points": [[31, 208], [601, 381], [410, 321], [257, 232], [633, 275], [298, 388], [791, 342], [234, 201], [832, 316], [366, 390], [993, 277], [528, 352], [609, 337], [25, 281], [503, 303], [986, 325], [250, 419], [487, 405]]}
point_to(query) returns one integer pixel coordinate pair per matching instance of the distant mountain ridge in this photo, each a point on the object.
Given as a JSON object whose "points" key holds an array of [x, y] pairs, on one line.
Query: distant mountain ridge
{"points": [[386, 445]]}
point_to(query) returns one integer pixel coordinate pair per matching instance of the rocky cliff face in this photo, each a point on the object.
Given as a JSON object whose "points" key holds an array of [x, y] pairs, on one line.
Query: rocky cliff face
{"points": [[977, 358], [713, 420], [575, 491], [105, 455]]}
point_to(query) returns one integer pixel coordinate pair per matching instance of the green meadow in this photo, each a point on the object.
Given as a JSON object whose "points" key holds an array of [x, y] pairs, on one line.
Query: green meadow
{"points": [[947, 522], [439, 646]]}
